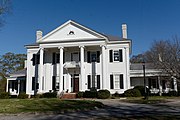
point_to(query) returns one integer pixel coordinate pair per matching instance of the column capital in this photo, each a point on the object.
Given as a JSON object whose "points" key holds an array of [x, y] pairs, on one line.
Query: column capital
{"points": [[60, 47], [103, 46], [81, 46]]}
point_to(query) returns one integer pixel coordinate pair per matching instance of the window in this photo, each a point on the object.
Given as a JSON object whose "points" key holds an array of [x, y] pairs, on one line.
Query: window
{"points": [[96, 82], [116, 81], [93, 56], [115, 55]]}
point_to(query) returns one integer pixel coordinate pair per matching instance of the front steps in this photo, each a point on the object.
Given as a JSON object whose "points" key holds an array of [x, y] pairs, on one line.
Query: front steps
{"points": [[68, 96]]}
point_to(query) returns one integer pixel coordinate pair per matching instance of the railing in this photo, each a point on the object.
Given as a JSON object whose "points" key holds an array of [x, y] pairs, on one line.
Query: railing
{"points": [[71, 64]]}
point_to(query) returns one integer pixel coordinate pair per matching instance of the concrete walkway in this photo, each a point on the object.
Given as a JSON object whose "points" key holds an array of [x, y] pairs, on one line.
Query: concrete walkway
{"points": [[114, 108]]}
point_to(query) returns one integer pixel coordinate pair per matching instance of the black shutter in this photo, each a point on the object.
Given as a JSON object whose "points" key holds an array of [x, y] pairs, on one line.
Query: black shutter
{"points": [[53, 82], [121, 82], [110, 56], [172, 83], [53, 58], [111, 82], [120, 56], [63, 82], [163, 84], [89, 81], [98, 56], [16, 86], [33, 83], [149, 83], [34, 59], [157, 84], [88, 57], [63, 57], [57, 57], [98, 81], [37, 58]]}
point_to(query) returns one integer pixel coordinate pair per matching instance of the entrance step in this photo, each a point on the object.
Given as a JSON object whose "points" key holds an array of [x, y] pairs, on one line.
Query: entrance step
{"points": [[69, 96]]}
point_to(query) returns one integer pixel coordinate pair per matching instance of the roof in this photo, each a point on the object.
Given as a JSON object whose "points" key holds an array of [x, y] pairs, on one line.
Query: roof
{"points": [[19, 73], [113, 38], [32, 45], [138, 66]]}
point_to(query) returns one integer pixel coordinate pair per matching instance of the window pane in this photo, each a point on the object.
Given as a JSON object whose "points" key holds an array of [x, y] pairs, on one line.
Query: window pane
{"points": [[116, 55], [116, 81]]}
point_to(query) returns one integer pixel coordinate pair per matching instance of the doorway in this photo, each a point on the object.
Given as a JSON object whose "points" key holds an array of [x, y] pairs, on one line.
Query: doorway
{"points": [[75, 82]]}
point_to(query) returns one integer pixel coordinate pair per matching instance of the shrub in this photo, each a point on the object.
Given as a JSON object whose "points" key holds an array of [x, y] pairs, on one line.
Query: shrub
{"points": [[90, 94], [173, 93], [116, 94], [132, 93], [103, 94], [4, 95], [50, 95], [22, 95], [80, 94], [141, 89], [37, 96]]}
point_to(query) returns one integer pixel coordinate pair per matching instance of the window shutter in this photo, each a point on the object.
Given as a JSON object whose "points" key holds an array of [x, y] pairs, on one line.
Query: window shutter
{"points": [[98, 81], [33, 59], [33, 83], [37, 58], [110, 56], [63, 57], [63, 82], [149, 83], [57, 57], [172, 83], [53, 82], [88, 57], [53, 58], [121, 82], [120, 56], [89, 81], [98, 56], [111, 82]]}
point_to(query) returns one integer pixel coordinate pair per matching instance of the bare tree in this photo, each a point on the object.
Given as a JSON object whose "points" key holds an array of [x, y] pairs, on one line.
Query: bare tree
{"points": [[166, 56]]}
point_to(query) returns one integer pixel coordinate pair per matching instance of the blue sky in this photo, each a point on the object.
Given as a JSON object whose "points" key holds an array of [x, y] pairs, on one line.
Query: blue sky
{"points": [[147, 20]]}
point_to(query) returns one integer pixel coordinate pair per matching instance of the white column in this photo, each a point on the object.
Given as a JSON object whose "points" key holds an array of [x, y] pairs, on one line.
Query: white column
{"points": [[61, 70], [103, 61], [41, 69], [7, 87], [160, 86], [175, 83], [82, 86]]}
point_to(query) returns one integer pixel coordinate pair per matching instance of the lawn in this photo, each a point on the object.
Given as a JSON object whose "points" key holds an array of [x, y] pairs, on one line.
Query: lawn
{"points": [[45, 105], [151, 99]]}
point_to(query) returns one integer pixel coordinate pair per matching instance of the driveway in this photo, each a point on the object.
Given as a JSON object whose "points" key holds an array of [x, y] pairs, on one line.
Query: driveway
{"points": [[115, 108]]}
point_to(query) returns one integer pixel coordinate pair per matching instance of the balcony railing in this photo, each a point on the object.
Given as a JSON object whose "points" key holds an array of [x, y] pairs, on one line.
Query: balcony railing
{"points": [[71, 64]]}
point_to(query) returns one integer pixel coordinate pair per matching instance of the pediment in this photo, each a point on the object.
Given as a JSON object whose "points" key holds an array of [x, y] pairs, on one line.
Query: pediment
{"points": [[70, 31]]}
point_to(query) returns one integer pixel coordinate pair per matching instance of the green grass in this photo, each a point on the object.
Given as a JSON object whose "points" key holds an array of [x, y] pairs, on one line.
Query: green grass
{"points": [[151, 99], [45, 105]]}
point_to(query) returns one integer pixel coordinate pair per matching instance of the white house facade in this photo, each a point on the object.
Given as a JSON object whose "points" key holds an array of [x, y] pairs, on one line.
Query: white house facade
{"points": [[74, 58]]}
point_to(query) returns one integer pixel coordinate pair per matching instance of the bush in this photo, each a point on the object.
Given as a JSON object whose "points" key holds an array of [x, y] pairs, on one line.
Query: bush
{"points": [[37, 96], [103, 94], [4, 95], [116, 94], [141, 89], [90, 94], [22, 95], [80, 94], [173, 93], [50, 95], [132, 93]]}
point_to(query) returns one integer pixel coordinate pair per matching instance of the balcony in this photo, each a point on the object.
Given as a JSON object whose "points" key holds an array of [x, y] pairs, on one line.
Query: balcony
{"points": [[71, 64]]}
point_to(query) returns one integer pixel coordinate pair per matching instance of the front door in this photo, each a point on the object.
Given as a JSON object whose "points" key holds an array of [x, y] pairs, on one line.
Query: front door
{"points": [[76, 84]]}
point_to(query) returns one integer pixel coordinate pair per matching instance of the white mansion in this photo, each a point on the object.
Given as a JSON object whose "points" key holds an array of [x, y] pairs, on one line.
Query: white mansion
{"points": [[74, 58]]}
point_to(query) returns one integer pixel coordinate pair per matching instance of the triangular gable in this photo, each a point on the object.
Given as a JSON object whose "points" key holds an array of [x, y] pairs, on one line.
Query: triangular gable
{"points": [[71, 31]]}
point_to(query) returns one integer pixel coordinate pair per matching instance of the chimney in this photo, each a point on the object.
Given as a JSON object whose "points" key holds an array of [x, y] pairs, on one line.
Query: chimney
{"points": [[39, 34], [124, 31]]}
